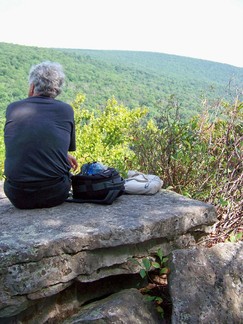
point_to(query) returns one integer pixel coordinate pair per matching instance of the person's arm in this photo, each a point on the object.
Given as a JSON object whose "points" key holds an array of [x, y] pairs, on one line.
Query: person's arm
{"points": [[73, 162]]}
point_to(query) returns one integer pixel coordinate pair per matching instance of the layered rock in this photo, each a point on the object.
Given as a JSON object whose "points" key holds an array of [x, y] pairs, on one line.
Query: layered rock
{"points": [[47, 253], [126, 307]]}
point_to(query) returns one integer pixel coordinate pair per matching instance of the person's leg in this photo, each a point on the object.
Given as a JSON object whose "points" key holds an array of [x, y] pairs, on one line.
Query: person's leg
{"points": [[24, 197]]}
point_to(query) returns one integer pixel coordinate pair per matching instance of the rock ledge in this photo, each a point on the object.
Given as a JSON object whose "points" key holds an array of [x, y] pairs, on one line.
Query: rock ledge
{"points": [[44, 251]]}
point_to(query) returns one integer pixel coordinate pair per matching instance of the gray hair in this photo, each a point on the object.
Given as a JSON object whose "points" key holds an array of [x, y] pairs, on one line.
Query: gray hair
{"points": [[47, 78]]}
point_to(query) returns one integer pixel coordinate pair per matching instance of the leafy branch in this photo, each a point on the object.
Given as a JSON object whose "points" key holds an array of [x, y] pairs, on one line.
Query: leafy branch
{"points": [[147, 266]]}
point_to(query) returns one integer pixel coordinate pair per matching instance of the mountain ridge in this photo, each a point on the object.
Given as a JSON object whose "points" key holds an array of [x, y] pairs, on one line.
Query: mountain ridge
{"points": [[134, 78]]}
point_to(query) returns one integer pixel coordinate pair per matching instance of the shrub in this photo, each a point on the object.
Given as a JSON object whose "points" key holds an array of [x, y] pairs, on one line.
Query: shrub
{"points": [[201, 158], [105, 135]]}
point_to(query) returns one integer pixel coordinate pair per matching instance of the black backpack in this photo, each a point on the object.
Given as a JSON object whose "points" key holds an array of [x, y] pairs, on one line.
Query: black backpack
{"points": [[102, 187]]}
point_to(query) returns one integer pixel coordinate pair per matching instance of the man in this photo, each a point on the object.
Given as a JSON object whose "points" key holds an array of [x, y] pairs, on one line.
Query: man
{"points": [[39, 132]]}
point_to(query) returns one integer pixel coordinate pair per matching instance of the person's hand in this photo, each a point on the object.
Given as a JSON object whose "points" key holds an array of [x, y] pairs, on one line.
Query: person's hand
{"points": [[73, 162]]}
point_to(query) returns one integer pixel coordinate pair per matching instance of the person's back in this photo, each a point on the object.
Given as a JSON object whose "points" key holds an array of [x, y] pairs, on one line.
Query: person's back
{"points": [[39, 132], [37, 138]]}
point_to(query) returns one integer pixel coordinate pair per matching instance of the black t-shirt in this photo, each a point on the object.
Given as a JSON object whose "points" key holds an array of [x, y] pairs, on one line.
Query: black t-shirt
{"points": [[38, 134]]}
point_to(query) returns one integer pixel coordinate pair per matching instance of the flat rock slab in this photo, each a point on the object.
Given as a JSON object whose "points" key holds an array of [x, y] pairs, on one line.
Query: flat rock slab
{"points": [[207, 284], [43, 250]]}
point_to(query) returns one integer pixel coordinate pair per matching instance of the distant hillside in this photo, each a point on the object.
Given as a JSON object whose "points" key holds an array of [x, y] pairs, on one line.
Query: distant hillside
{"points": [[133, 78]]}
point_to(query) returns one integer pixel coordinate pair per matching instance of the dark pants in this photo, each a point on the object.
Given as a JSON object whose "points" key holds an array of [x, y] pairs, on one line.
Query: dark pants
{"points": [[37, 194]]}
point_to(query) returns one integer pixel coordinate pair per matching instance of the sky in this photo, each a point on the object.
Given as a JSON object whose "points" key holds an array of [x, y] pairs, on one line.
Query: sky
{"points": [[205, 29]]}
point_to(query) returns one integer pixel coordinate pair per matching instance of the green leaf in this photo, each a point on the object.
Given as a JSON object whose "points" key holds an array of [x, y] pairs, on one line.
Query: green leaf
{"points": [[239, 236], [158, 300], [235, 237], [150, 298], [156, 265], [147, 264], [164, 270], [232, 238], [143, 273], [160, 254], [165, 259]]}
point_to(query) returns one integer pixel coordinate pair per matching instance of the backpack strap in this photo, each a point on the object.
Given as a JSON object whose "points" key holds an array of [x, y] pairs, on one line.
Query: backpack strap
{"points": [[108, 200], [90, 186]]}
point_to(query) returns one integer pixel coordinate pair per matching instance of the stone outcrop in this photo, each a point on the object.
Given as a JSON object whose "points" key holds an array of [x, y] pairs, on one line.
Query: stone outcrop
{"points": [[206, 285], [126, 307], [51, 256]]}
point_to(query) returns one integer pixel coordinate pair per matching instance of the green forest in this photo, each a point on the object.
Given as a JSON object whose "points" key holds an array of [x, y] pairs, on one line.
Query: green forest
{"points": [[135, 79], [176, 117]]}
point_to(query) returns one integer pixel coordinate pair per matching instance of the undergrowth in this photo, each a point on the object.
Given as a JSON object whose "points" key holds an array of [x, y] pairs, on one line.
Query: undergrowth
{"points": [[201, 158]]}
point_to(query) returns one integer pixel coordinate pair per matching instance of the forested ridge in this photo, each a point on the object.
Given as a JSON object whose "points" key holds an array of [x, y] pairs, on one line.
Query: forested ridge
{"points": [[133, 78]]}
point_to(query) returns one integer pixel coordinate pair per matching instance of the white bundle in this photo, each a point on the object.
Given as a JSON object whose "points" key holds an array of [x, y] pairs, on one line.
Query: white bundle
{"points": [[139, 183]]}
